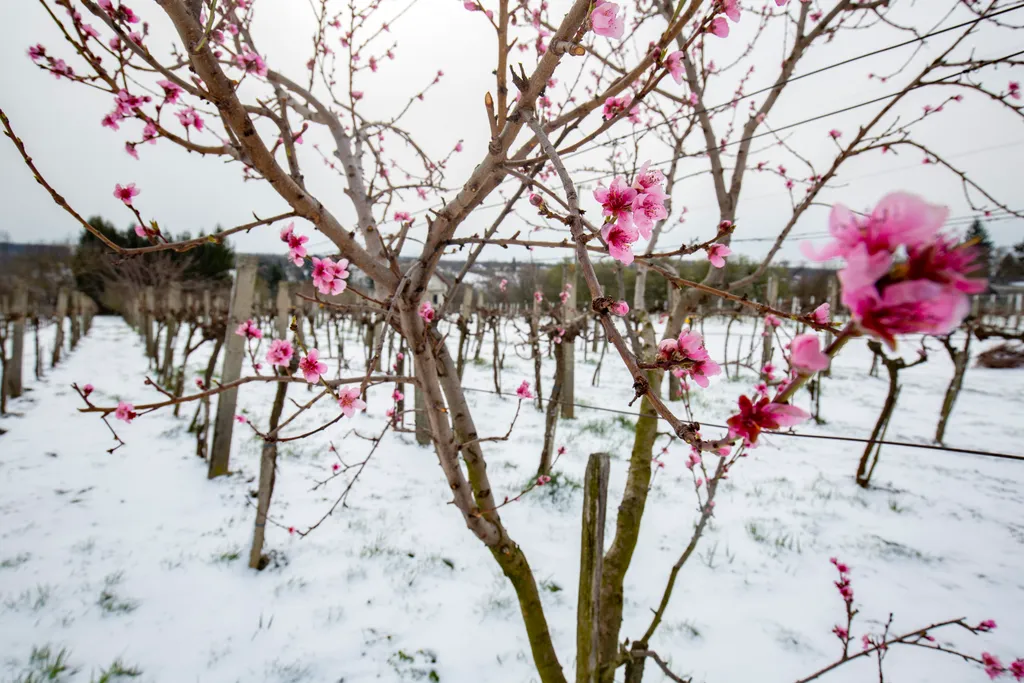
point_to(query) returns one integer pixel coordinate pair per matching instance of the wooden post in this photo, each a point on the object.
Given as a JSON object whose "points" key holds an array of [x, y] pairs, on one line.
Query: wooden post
{"points": [[60, 313], [19, 310], [284, 309], [172, 307], [76, 327], [234, 353], [588, 608], [767, 349], [569, 367]]}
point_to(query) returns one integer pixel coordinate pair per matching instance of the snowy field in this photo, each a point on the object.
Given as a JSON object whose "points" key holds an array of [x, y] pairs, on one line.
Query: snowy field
{"points": [[137, 558]]}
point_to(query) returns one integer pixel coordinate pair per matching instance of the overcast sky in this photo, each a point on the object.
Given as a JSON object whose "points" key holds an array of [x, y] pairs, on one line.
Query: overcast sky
{"points": [[60, 124]]}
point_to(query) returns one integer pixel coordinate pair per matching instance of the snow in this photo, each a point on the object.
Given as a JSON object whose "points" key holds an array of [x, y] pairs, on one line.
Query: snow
{"points": [[136, 556]]}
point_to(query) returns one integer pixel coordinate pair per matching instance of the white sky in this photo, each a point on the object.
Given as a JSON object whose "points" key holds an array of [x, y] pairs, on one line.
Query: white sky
{"points": [[60, 124]]}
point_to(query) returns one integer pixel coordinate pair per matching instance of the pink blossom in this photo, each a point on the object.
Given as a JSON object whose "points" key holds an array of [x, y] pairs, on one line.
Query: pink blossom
{"points": [[993, 667], [754, 417], [536, 199], [87, 389], [620, 308], [691, 345], [648, 207], [841, 633], [125, 411], [820, 314], [863, 268], [150, 133], [613, 106], [667, 349], [190, 118], [674, 65], [946, 262], [312, 367], [605, 20], [296, 244], [249, 330], [912, 307], [771, 320], [649, 180], [329, 277], [731, 8], [130, 148], [1017, 669], [349, 401], [834, 134], [694, 460], [761, 389], [987, 625], [251, 62], [617, 201], [620, 237], [397, 395], [171, 91], [717, 253], [503, 285], [702, 369], [199, 384], [720, 27], [543, 479], [61, 68], [126, 193], [538, 297], [240, 419], [280, 352], [564, 296], [36, 52], [402, 216], [426, 312], [898, 219], [1015, 90], [806, 354], [523, 391], [768, 371]]}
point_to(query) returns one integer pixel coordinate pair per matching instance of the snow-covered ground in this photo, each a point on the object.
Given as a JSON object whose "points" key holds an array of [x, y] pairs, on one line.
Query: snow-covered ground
{"points": [[137, 557]]}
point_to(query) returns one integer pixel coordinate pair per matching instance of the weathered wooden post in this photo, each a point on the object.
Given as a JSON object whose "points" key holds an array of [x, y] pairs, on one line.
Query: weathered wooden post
{"points": [[148, 312], [284, 309], [60, 313], [767, 348], [569, 346], [76, 322], [19, 311], [588, 608], [234, 353], [675, 385], [172, 307]]}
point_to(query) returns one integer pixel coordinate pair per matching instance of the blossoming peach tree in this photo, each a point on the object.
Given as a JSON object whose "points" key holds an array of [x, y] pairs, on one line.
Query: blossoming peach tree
{"points": [[644, 71]]}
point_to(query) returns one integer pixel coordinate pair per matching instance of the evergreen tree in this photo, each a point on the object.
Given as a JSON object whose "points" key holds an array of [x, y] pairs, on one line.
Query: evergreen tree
{"points": [[978, 235]]}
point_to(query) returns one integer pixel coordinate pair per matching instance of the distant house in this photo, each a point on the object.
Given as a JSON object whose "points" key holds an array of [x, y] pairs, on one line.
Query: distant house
{"points": [[437, 287]]}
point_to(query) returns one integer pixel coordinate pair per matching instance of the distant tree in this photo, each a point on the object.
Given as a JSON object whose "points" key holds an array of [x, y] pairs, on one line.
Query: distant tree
{"points": [[93, 263], [980, 237], [1010, 268]]}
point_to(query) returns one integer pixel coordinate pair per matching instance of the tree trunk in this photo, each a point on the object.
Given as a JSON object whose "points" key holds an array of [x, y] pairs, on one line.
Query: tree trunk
{"points": [[863, 473], [627, 530], [960, 359], [268, 466], [551, 415]]}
